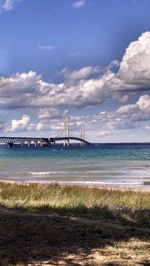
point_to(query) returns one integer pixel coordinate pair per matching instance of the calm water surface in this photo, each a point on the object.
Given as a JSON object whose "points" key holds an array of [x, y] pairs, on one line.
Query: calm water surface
{"points": [[123, 165]]}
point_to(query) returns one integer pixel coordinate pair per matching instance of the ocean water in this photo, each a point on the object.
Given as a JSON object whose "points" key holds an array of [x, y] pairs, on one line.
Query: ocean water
{"points": [[116, 165]]}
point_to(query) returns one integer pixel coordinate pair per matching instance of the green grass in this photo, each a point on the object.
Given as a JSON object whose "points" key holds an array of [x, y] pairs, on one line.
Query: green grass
{"points": [[71, 196]]}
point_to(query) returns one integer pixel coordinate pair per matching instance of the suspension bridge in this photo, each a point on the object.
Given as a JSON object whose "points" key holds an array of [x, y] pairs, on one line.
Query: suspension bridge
{"points": [[46, 142]]}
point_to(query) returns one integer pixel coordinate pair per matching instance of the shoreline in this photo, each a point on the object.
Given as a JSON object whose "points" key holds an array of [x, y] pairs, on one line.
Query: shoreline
{"points": [[111, 187]]}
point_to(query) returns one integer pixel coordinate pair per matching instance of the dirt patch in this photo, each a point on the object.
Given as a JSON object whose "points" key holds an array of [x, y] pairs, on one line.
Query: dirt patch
{"points": [[48, 239]]}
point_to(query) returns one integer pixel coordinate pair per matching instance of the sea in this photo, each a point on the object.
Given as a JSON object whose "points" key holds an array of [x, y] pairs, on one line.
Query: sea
{"points": [[109, 165]]}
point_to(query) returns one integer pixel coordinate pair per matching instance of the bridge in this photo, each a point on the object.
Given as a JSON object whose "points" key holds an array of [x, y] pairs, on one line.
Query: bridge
{"points": [[43, 142], [46, 142]]}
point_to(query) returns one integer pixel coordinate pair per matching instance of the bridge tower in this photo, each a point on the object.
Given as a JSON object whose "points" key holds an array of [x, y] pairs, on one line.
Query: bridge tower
{"points": [[66, 131], [82, 133]]}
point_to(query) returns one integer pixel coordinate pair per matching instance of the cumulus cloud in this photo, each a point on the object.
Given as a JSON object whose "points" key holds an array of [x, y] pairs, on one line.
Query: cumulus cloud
{"points": [[78, 3], [7, 5], [83, 87], [135, 67], [50, 113], [18, 83], [140, 111], [28, 89], [82, 73], [86, 86], [105, 123], [17, 125], [125, 117], [42, 126], [18, 89]]}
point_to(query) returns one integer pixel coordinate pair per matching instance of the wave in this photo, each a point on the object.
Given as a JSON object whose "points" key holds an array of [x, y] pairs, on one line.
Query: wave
{"points": [[82, 182], [39, 173]]}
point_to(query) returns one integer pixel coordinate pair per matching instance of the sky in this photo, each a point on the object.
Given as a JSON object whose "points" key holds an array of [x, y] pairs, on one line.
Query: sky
{"points": [[85, 59]]}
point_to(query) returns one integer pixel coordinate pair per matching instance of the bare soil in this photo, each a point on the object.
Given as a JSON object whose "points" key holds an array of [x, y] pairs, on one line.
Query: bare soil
{"points": [[37, 238]]}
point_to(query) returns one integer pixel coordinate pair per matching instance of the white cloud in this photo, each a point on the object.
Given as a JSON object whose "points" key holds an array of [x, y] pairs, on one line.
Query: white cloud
{"points": [[17, 125], [28, 89], [125, 117], [82, 73], [140, 111], [17, 90], [135, 68], [53, 126], [144, 103], [78, 3], [105, 133], [50, 113], [18, 83], [1, 126], [104, 124], [84, 87], [7, 5], [41, 126], [56, 126]]}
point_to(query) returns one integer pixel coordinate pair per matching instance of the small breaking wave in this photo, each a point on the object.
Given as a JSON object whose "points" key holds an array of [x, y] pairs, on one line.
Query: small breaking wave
{"points": [[39, 173]]}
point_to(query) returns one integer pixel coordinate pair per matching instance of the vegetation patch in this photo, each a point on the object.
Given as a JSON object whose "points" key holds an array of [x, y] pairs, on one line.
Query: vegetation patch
{"points": [[73, 225]]}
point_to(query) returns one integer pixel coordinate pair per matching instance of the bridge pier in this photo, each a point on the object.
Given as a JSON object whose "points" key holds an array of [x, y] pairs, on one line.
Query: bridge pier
{"points": [[10, 144], [44, 142], [82, 143], [35, 143], [22, 143], [51, 141], [29, 143], [66, 143]]}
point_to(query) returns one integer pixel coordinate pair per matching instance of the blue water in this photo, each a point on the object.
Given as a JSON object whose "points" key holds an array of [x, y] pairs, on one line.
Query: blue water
{"points": [[121, 165]]}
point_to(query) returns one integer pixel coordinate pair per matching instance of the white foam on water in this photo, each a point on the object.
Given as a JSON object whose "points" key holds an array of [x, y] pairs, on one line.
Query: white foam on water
{"points": [[39, 173], [48, 173], [82, 182]]}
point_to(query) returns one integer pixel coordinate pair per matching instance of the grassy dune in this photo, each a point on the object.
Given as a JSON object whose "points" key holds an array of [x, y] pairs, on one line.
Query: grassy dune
{"points": [[72, 225]]}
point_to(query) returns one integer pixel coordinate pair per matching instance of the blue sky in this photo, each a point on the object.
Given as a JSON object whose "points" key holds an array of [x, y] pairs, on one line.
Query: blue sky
{"points": [[88, 59]]}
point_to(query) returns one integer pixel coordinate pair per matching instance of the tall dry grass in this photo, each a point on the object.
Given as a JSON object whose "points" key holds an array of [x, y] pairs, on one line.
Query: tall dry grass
{"points": [[55, 195]]}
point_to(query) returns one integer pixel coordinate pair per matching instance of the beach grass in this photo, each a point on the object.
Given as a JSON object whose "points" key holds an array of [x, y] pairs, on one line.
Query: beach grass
{"points": [[73, 225], [58, 196]]}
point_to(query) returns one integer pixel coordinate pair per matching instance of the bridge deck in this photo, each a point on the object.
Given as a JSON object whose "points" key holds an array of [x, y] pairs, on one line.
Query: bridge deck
{"points": [[48, 141]]}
